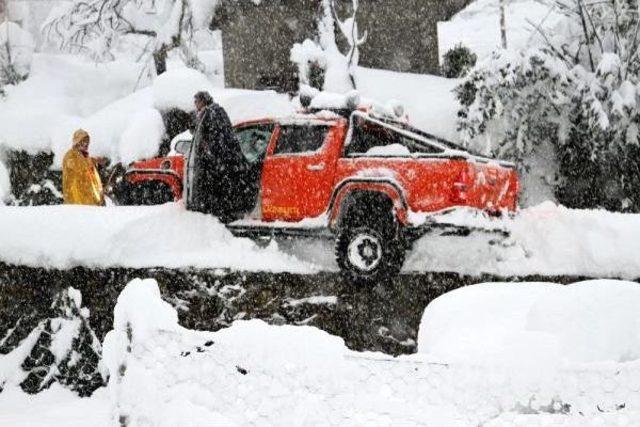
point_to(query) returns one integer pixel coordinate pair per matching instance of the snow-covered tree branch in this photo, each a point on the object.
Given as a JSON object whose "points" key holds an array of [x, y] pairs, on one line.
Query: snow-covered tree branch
{"points": [[340, 69], [16, 48], [97, 26]]}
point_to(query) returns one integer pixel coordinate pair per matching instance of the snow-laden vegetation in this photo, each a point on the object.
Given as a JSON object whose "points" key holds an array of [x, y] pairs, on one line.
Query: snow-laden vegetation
{"points": [[569, 107], [104, 28], [16, 50]]}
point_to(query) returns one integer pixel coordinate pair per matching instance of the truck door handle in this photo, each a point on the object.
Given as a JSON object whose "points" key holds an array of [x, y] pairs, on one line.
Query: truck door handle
{"points": [[318, 167]]}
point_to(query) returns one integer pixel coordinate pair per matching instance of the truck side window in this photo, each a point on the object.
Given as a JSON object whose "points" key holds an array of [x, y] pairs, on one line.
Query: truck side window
{"points": [[254, 141], [371, 139], [300, 138]]}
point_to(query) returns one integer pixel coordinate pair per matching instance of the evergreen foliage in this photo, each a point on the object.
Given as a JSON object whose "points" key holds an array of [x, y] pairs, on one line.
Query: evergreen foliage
{"points": [[580, 92], [458, 61]]}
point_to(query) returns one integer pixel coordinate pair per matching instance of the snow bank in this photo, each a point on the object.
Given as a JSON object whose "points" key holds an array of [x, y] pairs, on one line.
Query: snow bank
{"points": [[256, 374], [124, 124], [168, 236], [539, 324], [545, 239]]}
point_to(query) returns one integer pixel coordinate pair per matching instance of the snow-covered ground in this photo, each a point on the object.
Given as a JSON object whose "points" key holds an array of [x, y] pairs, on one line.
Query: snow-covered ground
{"points": [[56, 407], [545, 240], [478, 25], [169, 236], [488, 356]]}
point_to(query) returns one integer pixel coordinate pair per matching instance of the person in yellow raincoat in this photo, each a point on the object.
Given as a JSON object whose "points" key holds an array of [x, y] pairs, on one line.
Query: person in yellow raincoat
{"points": [[81, 184]]}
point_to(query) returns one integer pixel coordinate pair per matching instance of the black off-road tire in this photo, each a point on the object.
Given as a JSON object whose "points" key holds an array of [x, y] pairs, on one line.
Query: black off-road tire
{"points": [[369, 248]]}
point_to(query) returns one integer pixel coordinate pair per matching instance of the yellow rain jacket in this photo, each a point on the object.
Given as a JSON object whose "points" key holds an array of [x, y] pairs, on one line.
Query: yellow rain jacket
{"points": [[81, 183]]}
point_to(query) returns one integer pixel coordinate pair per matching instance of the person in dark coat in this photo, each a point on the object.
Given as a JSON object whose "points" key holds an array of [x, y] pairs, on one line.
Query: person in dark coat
{"points": [[218, 165]]}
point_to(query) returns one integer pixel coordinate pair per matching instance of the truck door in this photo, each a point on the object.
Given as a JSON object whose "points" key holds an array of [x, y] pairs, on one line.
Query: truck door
{"points": [[298, 174]]}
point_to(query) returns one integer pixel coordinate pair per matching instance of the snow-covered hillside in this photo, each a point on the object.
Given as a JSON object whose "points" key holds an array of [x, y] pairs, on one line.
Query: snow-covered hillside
{"points": [[478, 25]]}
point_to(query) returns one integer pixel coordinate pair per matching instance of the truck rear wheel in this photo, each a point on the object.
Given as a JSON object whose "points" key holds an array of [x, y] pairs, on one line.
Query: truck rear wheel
{"points": [[368, 247]]}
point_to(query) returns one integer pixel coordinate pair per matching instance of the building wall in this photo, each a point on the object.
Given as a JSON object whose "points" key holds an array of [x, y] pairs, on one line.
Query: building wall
{"points": [[402, 36], [257, 40]]}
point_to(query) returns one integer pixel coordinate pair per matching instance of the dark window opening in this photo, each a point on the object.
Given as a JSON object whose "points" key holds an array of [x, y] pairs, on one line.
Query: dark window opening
{"points": [[300, 139], [254, 141], [369, 138]]}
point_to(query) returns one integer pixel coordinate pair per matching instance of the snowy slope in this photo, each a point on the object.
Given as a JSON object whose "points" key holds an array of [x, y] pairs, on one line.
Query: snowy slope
{"points": [[478, 26]]}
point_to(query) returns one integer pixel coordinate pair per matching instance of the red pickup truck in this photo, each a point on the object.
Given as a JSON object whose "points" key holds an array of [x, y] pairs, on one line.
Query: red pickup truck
{"points": [[372, 182]]}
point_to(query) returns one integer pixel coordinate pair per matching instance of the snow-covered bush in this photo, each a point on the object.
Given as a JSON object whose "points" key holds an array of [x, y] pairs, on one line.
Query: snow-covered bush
{"points": [[16, 49], [61, 348], [577, 93], [98, 27], [320, 63], [458, 61]]}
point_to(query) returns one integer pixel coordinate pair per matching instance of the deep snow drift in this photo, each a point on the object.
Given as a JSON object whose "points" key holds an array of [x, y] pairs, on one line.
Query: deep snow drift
{"points": [[256, 374], [536, 324], [484, 360], [546, 240]]}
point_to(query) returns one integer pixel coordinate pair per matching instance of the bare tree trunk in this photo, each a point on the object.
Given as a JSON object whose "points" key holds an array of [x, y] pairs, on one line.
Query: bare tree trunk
{"points": [[160, 60], [503, 23]]}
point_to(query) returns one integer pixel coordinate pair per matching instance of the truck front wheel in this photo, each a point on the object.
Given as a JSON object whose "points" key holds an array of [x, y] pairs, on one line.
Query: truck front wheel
{"points": [[369, 250]]}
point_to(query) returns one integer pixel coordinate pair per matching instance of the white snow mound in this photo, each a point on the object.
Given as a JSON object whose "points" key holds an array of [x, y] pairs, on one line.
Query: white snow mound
{"points": [[257, 374], [534, 323]]}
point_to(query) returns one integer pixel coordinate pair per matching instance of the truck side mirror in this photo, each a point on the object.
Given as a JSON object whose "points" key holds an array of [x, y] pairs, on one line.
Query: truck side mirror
{"points": [[183, 147]]}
